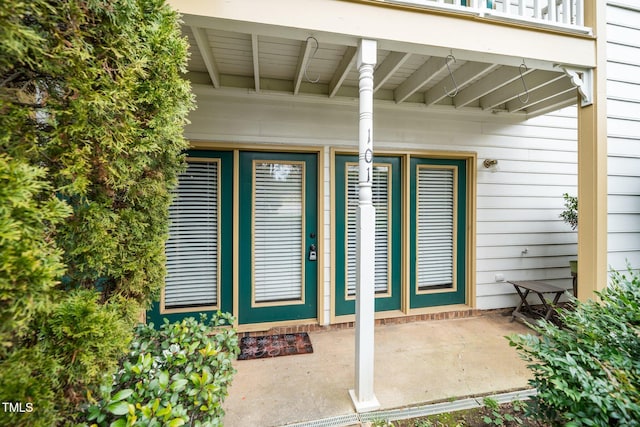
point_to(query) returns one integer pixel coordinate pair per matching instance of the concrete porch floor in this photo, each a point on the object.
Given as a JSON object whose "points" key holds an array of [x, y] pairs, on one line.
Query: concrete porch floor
{"points": [[415, 363]]}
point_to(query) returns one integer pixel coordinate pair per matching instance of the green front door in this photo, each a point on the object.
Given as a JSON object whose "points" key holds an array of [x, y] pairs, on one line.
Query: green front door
{"points": [[277, 244], [438, 232], [387, 200]]}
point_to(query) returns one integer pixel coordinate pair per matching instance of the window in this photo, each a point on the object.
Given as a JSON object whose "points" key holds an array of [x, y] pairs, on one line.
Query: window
{"points": [[278, 230], [381, 202], [387, 200], [438, 231], [193, 249], [435, 227]]}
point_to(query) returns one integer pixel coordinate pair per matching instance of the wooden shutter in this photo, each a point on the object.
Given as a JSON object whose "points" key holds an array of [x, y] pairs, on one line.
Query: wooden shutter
{"points": [[278, 231], [435, 227], [382, 204], [192, 249]]}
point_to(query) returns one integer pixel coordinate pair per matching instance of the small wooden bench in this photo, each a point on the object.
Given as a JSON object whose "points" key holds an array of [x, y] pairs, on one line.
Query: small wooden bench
{"points": [[525, 311]]}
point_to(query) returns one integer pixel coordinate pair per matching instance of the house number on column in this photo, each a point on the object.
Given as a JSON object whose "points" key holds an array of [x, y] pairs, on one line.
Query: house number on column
{"points": [[368, 157]]}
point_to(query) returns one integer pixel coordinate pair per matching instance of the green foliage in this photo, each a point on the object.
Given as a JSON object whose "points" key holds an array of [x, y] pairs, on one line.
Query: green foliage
{"points": [[30, 263], [588, 371], [92, 109], [178, 375], [67, 350], [570, 212], [497, 417], [92, 89]]}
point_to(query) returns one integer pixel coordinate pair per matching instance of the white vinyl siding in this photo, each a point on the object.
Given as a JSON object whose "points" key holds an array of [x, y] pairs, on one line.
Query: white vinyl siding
{"points": [[382, 204], [192, 248], [278, 231], [623, 129], [435, 227]]}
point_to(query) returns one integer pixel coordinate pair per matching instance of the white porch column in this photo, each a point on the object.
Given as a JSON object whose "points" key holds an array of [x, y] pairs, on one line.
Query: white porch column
{"points": [[363, 396]]}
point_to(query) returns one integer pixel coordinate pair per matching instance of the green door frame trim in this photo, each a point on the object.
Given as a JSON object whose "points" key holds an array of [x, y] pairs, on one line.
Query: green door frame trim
{"points": [[249, 313], [458, 295], [230, 153], [465, 160], [225, 299], [343, 305]]}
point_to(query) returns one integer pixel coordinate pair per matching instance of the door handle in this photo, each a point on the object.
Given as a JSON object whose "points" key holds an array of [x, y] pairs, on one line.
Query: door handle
{"points": [[313, 253]]}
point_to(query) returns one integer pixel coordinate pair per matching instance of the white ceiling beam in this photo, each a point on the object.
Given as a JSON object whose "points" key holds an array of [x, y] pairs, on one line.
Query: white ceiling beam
{"points": [[499, 78], [347, 62], [533, 80], [256, 61], [202, 41], [303, 60], [552, 104], [419, 78], [556, 88], [462, 76], [388, 67]]}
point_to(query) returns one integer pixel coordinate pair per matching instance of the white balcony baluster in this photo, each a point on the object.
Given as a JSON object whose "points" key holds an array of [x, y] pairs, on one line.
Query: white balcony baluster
{"points": [[564, 14], [580, 12], [551, 10]]}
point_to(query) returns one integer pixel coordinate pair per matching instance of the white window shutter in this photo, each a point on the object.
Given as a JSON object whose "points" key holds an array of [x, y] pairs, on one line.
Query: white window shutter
{"points": [[192, 248], [278, 231], [435, 228], [382, 204]]}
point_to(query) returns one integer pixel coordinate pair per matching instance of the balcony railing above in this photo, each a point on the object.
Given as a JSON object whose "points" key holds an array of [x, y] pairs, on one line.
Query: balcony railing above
{"points": [[567, 15]]}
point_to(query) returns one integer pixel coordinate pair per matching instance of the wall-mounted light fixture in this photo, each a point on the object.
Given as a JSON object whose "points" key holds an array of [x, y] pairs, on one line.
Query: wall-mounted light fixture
{"points": [[490, 163]]}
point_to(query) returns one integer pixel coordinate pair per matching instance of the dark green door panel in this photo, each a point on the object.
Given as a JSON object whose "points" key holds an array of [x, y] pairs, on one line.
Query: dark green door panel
{"points": [[445, 294], [225, 298], [250, 309], [391, 300]]}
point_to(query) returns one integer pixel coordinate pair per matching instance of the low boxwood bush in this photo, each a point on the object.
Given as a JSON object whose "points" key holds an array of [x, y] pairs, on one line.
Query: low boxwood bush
{"points": [[176, 375], [587, 372]]}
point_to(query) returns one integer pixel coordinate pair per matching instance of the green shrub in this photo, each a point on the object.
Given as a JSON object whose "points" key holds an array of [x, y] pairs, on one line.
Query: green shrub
{"points": [[68, 351], [93, 103], [30, 262], [570, 212], [588, 371], [174, 376], [94, 91]]}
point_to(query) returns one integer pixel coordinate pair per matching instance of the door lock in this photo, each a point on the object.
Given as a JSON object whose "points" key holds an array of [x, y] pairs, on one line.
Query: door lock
{"points": [[313, 253]]}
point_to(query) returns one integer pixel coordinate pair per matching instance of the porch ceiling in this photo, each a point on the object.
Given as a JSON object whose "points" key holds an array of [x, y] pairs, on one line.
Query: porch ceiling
{"points": [[325, 68]]}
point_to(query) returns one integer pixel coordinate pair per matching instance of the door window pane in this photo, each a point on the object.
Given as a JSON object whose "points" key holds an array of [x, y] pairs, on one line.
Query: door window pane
{"points": [[382, 204], [435, 227], [192, 249], [278, 231]]}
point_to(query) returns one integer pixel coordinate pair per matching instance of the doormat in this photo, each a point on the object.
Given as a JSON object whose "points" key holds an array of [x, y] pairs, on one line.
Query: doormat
{"points": [[274, 346]]}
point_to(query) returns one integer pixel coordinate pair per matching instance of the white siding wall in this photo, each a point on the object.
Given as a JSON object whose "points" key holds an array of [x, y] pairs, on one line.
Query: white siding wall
{"points": [[517, 206], [623, 127]]}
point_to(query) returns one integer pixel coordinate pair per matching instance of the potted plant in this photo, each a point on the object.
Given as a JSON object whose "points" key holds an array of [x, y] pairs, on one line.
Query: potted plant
{"points": [[570, 216]]}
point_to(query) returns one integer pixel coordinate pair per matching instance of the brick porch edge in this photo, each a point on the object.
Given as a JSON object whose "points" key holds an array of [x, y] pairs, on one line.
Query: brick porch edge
{"points": [[447, 315]]}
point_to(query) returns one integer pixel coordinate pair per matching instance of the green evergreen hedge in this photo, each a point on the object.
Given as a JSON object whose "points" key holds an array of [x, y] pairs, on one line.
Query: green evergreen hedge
{"points": [[92, 110]]}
